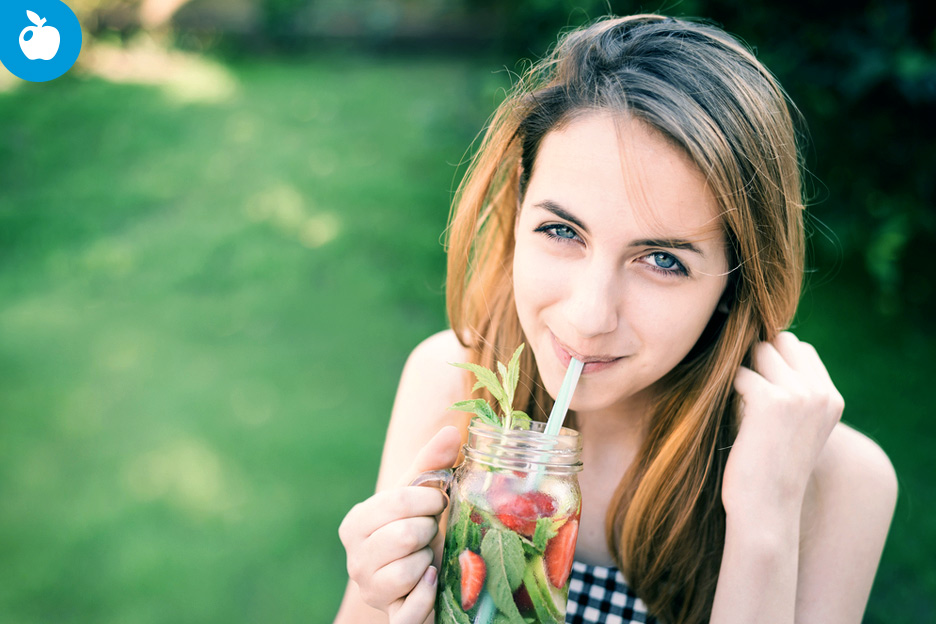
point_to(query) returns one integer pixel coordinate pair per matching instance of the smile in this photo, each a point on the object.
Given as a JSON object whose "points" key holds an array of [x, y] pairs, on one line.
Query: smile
{"points": [[593, 363]]}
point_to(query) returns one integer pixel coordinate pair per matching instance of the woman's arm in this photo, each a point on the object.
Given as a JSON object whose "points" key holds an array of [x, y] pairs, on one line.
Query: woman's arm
{"points": [[808, 501], [847, 513], [428, 386], [817, 566]]}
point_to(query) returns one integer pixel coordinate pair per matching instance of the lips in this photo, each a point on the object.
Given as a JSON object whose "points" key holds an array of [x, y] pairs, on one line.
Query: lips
{"points": [[593, 363]]}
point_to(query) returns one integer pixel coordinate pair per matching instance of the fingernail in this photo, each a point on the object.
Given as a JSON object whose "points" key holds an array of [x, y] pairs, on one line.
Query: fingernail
{"points": [[431, 576]]}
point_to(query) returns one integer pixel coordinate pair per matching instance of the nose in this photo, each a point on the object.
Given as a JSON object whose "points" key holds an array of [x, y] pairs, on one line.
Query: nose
{"points": [[593, 302]]}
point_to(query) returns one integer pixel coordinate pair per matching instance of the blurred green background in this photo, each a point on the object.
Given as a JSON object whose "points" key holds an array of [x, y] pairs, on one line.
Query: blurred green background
{"points": [[220, 238]]}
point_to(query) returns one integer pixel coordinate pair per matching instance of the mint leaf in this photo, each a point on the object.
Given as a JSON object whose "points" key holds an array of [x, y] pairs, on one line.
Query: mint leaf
{"points": [[510, 375], [459, 529], [486, 379], [503, 556], [513, 373], [529, 548], [508, 389], [503, 391], [449, 611], [521, 420], [473, 537], [479, 407], [545, 530], [464, 533], [507, 403]]}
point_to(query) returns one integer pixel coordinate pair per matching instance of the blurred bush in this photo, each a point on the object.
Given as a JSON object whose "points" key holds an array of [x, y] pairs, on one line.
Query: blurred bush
{"points": [[864, 78]]}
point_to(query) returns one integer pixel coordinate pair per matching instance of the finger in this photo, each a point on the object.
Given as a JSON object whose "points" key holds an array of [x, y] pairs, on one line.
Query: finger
{"points": [[770, 364], [803, 357], [390, 506], [400, 539], [439, 452], [748, 383], [398, 578], [417, 606]]}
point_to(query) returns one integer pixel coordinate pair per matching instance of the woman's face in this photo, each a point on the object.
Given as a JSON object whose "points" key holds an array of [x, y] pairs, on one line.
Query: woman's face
{"points": [[620, 258]]}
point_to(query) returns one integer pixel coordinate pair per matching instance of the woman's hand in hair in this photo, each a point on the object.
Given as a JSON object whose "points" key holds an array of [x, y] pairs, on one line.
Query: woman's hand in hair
{"points": [[789, 408], [388, 538]]}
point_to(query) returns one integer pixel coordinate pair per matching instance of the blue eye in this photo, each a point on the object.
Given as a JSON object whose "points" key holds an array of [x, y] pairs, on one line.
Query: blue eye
{"points": [[558, 231], [663, 262]]}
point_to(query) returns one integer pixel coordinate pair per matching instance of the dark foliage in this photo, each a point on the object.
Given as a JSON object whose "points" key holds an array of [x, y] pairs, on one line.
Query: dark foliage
{"points": [[865, 81]]}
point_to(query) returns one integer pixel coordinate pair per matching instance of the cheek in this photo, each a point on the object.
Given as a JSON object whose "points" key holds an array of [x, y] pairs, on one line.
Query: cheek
{"points": [[674, 320], [537, 277]]}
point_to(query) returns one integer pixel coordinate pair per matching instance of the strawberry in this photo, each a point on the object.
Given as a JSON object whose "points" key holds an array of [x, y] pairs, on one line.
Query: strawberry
{"points": [[544, 503], [473, 572], [559, 553], [520, 513]]}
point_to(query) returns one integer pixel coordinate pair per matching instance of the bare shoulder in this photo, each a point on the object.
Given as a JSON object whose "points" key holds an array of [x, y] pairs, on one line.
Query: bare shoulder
{"points": [[851, 462], [846, 516], [428, 386], [430, 358], [429, 379], [853, 475]]}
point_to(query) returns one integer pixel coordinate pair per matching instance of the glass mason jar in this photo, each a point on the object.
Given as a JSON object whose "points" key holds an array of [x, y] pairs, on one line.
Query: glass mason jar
{"points": [[512, 525]]}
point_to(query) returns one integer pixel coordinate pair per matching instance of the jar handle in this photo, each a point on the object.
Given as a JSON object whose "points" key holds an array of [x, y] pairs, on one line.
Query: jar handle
{"points": [[439, 479]]}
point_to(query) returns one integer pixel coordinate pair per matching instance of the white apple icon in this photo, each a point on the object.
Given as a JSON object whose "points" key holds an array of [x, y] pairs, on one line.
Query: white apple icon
{"points": [[45, 40]]}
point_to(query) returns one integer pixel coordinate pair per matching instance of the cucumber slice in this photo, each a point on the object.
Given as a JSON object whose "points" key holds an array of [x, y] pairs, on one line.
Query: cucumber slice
{"points": [[547, 601]]}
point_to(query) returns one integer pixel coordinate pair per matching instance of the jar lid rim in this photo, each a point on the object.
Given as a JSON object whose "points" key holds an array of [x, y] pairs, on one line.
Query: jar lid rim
{"points": [[536, 429]]}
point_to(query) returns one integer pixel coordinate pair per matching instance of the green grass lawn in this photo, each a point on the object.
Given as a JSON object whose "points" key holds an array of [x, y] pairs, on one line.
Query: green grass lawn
{"points": [[205, 305]]}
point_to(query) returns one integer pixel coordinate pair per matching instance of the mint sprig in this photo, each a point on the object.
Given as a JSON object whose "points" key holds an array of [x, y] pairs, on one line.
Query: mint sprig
{"points": [[503, 390], [503, 556]]}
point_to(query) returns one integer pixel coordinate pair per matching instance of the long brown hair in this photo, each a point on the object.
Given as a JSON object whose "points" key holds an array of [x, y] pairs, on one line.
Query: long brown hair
{"points": [[710, 96]]}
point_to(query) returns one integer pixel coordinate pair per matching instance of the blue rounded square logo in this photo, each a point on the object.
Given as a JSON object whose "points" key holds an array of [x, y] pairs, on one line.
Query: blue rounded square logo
{"points": [[39, 39]]}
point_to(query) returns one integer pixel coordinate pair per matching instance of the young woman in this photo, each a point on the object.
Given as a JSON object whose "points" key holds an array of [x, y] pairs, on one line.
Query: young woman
{"points": [[636, 204]]}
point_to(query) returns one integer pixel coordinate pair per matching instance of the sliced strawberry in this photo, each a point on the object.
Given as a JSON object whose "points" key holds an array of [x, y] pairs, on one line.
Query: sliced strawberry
{"points": [[473, 572], [559, 553], [544, 503], [520, 513]]}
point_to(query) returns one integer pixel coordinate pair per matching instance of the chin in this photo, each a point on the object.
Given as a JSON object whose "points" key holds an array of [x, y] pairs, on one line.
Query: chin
{"points": [[595, 399]]}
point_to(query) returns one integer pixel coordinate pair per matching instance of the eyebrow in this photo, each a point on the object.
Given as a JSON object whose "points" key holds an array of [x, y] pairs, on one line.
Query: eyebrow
{"points": [[561, 212], [666, 243]]}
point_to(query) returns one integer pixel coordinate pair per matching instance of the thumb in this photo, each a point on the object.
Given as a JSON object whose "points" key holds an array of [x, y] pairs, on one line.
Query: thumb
{"points": [[439, 453]]}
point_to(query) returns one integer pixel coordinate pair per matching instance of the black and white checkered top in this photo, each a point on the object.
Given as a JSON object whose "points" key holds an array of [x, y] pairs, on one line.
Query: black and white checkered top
{"points": [[600, 594]]}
